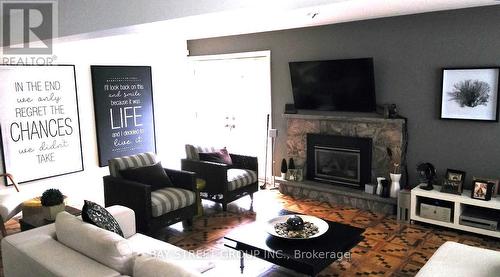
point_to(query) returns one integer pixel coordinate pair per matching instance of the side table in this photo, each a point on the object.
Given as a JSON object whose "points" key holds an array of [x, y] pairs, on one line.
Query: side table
{"points": [[35, 218], [200, 185], [404, 205]]}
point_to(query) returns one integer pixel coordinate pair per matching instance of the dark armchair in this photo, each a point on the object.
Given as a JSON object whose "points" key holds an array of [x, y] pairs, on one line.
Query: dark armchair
{"points": [[224, 183], [153, 209]]}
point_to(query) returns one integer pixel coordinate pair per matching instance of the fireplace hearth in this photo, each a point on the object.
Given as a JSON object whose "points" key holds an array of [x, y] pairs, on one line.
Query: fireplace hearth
{"points": [[339, 160]]}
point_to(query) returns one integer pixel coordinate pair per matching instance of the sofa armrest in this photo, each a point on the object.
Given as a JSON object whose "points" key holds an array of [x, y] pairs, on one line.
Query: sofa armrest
{"points": [[244, 162], [215, 174], [182, 179], [37, 252], [125, 217], [134, 195], [456, 259]]}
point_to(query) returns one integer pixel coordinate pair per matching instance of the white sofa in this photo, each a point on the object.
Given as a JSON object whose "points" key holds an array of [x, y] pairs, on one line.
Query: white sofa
{"points": [[460, 260], [38, 252]]}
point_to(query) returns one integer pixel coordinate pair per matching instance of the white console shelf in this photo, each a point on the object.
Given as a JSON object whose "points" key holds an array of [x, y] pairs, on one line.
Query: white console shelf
{"points": [[459, 203]]}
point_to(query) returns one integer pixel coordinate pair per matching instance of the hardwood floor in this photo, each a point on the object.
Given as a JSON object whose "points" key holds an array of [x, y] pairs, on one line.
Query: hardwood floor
{"points": [[390, 248]]}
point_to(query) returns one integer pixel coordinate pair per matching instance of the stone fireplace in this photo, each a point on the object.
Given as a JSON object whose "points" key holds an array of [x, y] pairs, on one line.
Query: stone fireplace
{"points": [[339, 160], [343, 161], [384, 133]]}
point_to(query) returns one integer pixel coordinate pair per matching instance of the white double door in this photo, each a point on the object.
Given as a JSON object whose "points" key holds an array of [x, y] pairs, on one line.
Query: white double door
{"points": [[231, 96]]}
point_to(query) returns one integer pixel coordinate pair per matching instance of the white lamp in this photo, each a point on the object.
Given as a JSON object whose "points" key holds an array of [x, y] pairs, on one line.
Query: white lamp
{"points": [[273, 134]]}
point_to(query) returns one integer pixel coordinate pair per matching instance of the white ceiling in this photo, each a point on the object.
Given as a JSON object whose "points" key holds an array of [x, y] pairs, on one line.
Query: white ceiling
{"points": [[210, 18], [259, 20], [77, 16]]}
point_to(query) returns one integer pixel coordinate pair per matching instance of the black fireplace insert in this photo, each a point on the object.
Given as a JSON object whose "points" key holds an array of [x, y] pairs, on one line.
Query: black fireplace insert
{"points": [[339, 160]]}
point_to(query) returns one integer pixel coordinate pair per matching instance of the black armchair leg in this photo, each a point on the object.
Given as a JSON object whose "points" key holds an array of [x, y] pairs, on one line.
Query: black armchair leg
{"points": [[187, 224]]}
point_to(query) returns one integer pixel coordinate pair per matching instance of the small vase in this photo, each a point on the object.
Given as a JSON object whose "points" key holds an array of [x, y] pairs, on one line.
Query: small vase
{"points": [[50, 212], [385, 189], [379, 185], [395, 186]]}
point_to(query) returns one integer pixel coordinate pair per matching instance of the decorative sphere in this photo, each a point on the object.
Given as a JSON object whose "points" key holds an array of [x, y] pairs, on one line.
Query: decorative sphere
{"points": [[295, 223]]}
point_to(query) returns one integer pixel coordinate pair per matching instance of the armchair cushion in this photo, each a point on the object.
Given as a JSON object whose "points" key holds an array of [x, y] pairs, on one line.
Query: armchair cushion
{"points": [[170, 199], [221, 156], [193, 152], [139, 160], [237, 178], [153, 175]]}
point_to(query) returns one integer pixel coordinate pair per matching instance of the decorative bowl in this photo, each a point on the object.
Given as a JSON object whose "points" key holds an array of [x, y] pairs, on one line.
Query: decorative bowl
{"points": [[318, 222]]}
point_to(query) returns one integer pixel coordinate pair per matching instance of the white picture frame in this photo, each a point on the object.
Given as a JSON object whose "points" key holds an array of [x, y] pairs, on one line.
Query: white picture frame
{"points": [[470, 94], [39, 121]]}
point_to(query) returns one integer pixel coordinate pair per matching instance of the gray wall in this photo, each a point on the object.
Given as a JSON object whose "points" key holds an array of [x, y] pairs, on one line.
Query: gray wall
{"points": [[409, 52]]}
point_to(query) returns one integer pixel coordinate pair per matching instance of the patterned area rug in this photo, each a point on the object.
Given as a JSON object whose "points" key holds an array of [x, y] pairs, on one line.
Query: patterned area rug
{"points": [[390, 248]]}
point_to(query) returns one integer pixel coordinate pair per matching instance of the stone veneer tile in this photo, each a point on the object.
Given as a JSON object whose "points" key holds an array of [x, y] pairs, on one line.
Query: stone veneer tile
{"points": [[296, 147], [302, 127], [365, 130]]}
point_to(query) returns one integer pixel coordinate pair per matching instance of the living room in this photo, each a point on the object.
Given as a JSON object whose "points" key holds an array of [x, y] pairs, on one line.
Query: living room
{"points": [[410, 46]]}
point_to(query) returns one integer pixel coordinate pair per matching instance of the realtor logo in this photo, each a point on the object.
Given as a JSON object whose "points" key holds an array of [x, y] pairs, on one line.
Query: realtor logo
{"points": [[28, 27]]}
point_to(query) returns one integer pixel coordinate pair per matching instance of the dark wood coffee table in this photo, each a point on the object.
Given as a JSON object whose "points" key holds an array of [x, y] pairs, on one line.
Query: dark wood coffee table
{"points": [[308, 256], [37, 220]]}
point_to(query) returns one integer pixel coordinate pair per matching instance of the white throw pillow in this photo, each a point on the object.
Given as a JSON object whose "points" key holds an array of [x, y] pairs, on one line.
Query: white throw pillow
{"points": [[147, 266], [101, 245]]}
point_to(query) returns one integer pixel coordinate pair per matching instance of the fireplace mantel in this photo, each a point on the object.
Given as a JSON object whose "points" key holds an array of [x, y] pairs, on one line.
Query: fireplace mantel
{"points": [[346, 117]]}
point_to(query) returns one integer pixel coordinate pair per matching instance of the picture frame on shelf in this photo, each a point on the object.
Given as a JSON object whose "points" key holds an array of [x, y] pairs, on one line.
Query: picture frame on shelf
{"points": [[454, 181], [481, 190], [470, 94], [451, 187], [496, 184], [455, 175]]}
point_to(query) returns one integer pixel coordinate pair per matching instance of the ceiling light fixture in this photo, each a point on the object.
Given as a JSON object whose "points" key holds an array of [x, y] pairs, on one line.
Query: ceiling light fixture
{"points": [[312, 15]]}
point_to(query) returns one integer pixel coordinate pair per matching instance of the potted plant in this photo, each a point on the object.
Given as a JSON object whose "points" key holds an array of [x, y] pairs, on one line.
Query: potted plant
{"points": [[394, 171], [291, 163], [284, 168], [52, 201]]}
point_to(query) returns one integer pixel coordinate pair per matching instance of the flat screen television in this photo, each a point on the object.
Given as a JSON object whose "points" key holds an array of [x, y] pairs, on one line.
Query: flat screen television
{"points": [[334, 85]]}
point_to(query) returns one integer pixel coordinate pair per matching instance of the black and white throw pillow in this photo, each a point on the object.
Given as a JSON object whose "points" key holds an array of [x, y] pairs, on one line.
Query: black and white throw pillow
{"points": [[97, 215]]}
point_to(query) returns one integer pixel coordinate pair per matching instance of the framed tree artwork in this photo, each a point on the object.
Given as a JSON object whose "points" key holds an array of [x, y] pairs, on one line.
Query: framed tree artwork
{"points": [[470, 94], [123, 107], [39, 121]]}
